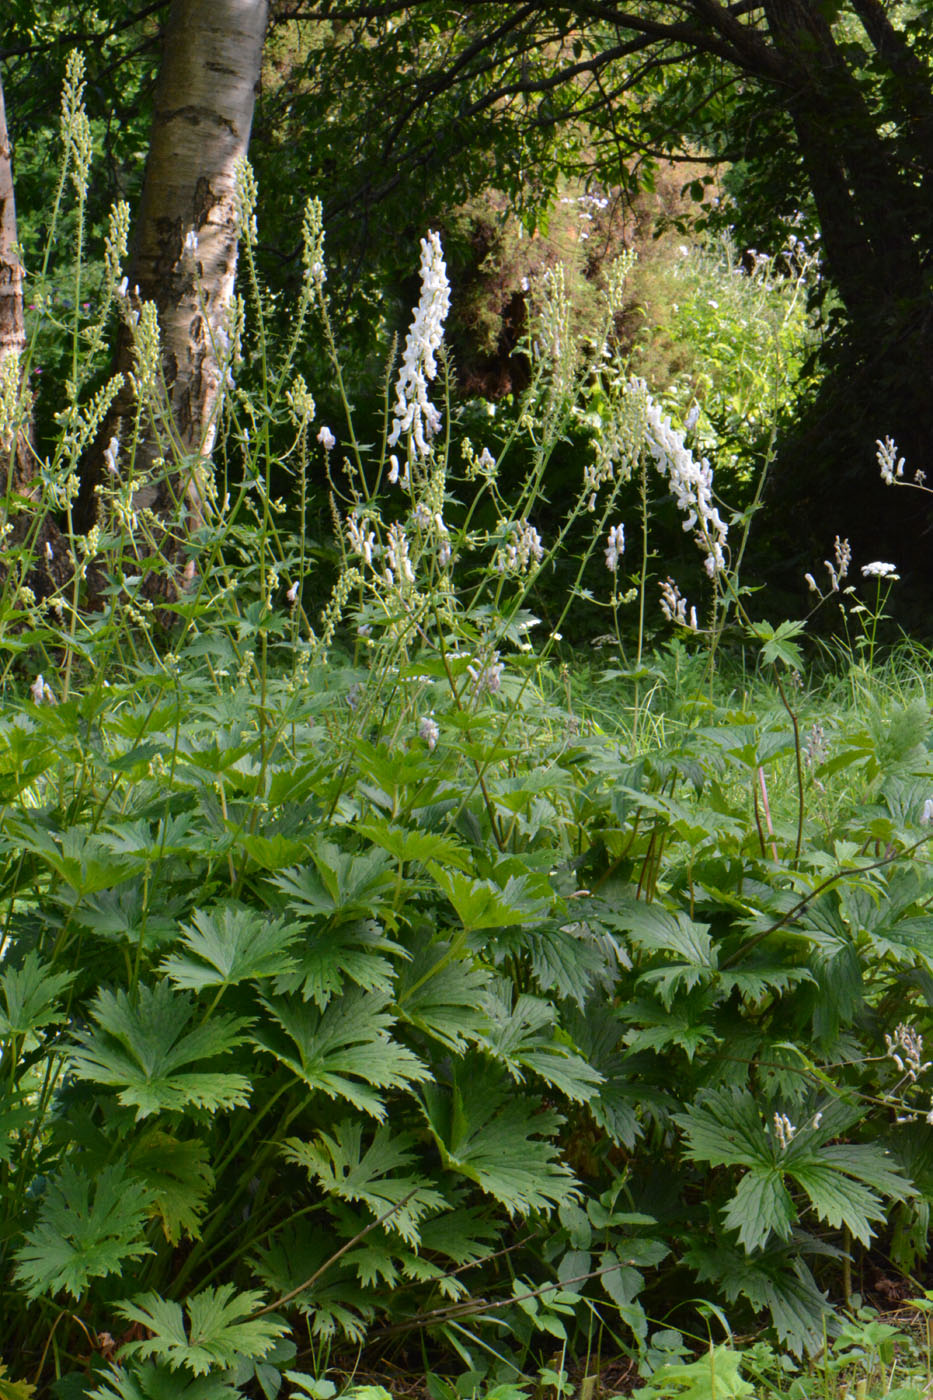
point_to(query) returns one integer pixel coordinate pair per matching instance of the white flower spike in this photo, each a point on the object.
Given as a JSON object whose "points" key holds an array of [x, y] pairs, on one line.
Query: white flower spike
{"points": [[415, 415]]}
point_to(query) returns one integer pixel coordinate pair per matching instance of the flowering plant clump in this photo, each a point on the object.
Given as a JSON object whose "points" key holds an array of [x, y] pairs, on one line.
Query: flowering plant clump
{"points": [[415, 415]]}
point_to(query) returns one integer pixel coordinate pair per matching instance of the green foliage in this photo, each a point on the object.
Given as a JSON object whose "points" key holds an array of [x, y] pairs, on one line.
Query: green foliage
{"points": [[357, 967]]}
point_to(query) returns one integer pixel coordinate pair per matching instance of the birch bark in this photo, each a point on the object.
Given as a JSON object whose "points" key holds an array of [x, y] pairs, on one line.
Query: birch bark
{"points": [[204, 105]]}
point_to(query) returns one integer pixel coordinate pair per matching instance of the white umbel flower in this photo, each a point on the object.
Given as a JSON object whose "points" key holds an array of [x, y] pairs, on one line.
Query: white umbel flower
{"points": [[415, 415], [878, 569]]}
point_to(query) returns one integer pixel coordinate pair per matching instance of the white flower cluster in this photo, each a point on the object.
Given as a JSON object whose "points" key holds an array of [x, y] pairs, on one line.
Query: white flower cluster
{"points": [[691, 483], [615, 547], [398, 557], [414, 412], [838, 571], [361, 538], [784, 1131], [892, 466], [674, 606], [878, 569], [905, 1048], [488, 678], [41, 692], [429, 730], [522, 545]]}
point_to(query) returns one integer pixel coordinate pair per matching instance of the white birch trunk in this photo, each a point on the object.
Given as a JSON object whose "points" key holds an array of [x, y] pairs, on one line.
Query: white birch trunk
{"points": [[204, 104]]}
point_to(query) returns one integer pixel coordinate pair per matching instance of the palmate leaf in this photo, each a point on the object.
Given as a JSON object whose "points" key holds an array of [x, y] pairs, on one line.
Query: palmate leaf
{"points": [[219, 1331], [841, 1180], [228, 944], [345, 1051], [86, 1229], [715, 1376], [483, 904], [776, 1279], [325, 958], [724, 1128], [341, 885], [336, 1303], [565, 958], [761, 1203], [524, 1038], [30, 995], [179, 1175], [338, 1163], [162, 1383], [81, 858], [485, 1132], [683, 1024], [440, 991], [690, 959], [409, 844], [142, 1047]]}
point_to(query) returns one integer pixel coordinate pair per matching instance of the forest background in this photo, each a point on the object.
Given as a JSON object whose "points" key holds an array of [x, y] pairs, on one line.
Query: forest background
{"points": [[453, 914]]}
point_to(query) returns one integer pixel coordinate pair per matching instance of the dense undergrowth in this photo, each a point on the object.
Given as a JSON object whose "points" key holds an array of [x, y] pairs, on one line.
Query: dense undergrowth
{"points": [[375, 977]]}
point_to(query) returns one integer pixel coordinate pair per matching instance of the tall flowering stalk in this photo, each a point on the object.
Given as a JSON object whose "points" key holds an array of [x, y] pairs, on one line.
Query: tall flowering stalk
{"points": [[691, 484], [415, 415]]}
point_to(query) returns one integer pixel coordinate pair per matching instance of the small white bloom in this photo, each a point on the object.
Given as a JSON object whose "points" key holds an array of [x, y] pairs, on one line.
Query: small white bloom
{"points": [[892, 467], [674, 606], [123, 287], [393, 469], [326, 438], [877, 569], [837, 572], [784, 1131], [361, 538], [292, 594], [926, 816], [615, 547], [40, 692], [429, 731], [692, 418], [110, 455], [811, 583], [191, 242], [487, 678], [49, 552]]}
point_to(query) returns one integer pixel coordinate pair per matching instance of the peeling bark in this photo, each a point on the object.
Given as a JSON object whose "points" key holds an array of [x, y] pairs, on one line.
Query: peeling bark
{"points": [[204, 104]]}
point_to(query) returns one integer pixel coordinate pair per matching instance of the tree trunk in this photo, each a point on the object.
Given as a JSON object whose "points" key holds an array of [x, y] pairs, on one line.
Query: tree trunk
{"points": [[867, 211], [201, 127], [12, 325]]}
